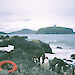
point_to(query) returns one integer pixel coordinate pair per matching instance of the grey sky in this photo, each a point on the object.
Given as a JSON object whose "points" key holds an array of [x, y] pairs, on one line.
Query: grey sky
{"points": [[34, 14]]}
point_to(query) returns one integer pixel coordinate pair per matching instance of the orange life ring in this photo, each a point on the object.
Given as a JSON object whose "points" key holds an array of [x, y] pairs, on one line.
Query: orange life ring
{"points": [[7, 61]]}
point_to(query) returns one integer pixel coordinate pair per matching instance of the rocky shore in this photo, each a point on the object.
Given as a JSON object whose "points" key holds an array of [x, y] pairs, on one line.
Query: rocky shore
{"points": [[26, 55]]}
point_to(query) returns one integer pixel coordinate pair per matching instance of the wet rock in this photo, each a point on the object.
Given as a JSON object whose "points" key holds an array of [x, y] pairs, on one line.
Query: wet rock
{"points": [[73, 56], [59, 47], [60, 63], [69, 60]]}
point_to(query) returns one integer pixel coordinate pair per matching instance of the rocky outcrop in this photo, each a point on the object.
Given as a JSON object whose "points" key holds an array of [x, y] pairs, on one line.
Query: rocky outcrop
{"points": [[23, 53], [32, 48]]}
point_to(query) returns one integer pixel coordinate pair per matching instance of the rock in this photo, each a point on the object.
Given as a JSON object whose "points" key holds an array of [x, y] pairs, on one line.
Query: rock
{"points": [[4, 72], [16, 73], [59, 47], [73, 56], [69, 60], [33, 49], [23, 53], [45, 46], [39, 71], [60, 63]]}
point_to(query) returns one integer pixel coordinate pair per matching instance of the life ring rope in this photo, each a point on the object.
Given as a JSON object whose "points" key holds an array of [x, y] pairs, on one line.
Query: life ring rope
{"points": [[10, 62]]}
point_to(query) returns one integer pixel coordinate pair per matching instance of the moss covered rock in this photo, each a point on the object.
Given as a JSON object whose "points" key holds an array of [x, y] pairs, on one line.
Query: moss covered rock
{"points": [[23, 53]]}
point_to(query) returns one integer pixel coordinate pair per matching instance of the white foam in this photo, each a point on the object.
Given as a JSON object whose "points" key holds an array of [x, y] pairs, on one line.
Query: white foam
{"points": [[61, 54], [8, 49]]}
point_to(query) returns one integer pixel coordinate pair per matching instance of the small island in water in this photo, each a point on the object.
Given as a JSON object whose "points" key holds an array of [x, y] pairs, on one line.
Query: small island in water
{"points": [[55, 30]]}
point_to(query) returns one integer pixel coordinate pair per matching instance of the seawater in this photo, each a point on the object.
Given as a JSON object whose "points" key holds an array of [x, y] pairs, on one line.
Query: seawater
{"points": [[66, 41]]}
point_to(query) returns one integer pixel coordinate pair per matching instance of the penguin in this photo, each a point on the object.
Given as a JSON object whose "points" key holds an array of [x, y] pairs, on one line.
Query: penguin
{"points": [[62, 70], [41, 62], [65, 73], [46, 64], [56, 66]]}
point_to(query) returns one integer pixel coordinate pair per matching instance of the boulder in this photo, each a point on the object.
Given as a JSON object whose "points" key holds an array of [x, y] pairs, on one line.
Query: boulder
{"points": [[73, 56], [59, 47]]}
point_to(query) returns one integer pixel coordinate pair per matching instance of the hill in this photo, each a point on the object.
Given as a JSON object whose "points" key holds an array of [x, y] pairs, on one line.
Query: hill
{"points": [[24, 31], [2, 33], [55, 30]]}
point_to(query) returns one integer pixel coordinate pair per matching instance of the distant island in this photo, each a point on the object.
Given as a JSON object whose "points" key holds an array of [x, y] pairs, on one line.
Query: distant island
{"points": [[2, 33], [24, 31], [47, 30], [55, 30]]}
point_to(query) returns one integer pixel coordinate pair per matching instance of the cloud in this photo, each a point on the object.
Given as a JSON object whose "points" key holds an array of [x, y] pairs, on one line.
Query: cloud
{"points": [[1, 28], [37, 13]]}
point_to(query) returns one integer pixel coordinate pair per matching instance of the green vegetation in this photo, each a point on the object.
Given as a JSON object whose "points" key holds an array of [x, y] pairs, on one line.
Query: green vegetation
{"points": [[55, 30], [4, 37]]}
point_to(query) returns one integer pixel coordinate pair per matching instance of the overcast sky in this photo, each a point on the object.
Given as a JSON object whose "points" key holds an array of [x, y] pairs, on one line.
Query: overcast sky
{"points": [[34, 14]]}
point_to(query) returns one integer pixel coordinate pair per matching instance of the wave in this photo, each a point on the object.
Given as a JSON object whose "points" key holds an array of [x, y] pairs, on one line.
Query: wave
{"points": [[67, 44]]}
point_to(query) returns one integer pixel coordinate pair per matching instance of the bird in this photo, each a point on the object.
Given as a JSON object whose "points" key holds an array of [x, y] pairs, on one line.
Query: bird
{"points": [[45, 64]]}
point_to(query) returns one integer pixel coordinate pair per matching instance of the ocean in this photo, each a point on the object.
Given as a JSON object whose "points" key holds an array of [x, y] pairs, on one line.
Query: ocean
{"points": [[66, 41]]}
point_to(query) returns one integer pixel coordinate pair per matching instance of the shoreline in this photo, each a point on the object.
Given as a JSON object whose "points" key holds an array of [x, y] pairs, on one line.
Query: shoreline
{"points": [[62, 54]]}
